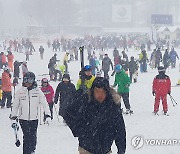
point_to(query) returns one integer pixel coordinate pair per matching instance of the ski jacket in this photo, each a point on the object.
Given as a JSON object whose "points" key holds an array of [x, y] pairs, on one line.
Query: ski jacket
{"points": [[161, 84], [88, 83], [64, 93], [49, 93], [10, 57], [123, 82], [6, 82], [106, 62], [173, 55], [97, 125], [27, 103], [3, 58]]}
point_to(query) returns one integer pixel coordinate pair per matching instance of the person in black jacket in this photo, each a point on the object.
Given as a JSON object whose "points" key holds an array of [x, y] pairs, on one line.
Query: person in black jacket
{"points": [[96, 119], [64, 92], [133, 68], [106, 63], [17, 64]]}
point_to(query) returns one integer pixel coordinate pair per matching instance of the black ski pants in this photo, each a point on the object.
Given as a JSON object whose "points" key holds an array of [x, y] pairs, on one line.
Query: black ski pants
{"points": [[8, 96], [29, 129], [125, 97]]}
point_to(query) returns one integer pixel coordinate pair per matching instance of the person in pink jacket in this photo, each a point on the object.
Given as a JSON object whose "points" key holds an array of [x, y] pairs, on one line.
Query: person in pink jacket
{"points": [[49, 94]]}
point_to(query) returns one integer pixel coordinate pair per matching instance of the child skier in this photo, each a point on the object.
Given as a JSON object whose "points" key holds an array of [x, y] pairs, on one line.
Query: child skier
{"points": [[49, 93]]}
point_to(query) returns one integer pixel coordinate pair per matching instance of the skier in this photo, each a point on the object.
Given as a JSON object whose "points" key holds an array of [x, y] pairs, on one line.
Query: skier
{"points": [[6, 88], [65, 61], [10, 58], [92, 62], [173, 55], [64, 92], [96, 119], [133, 69], [160, 88], [106, 62], [143, 61], [123, 82], [27, 103], [16, 71], [24, 68], [41, 51], [48, 91], [86, 75], [166, 59]]}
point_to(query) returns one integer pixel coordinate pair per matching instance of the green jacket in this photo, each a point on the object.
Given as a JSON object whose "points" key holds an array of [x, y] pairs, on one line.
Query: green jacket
{"points": [[123, 82]]}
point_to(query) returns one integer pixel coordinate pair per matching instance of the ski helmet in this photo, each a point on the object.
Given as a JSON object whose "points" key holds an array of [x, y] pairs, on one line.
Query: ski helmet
{"points": [[161, 69], [118, 68], [87, 68], [29, 77]]}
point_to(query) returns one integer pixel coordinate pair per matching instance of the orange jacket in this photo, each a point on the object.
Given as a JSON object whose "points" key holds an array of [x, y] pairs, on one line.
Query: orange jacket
{"points": [[6, 82], [10, 57], [3, 58]]}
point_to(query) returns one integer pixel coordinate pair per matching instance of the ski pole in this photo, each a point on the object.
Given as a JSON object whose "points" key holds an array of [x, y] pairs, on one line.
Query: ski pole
{"points": [[172, 99], [56, 113]]}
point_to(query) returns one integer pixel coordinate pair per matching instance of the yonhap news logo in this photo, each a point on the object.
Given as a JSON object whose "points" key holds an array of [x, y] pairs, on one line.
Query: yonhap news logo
{"points": [[138, 142]]}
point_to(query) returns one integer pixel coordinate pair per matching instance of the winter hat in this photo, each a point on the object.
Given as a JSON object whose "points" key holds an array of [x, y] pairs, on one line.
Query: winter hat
{"points": [[66, 77], [161, 69], [118, 68], [100, 82], [29, 77]]}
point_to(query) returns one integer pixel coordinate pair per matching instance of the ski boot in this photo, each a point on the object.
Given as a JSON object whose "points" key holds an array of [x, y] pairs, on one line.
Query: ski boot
{"points": [[129, 111], [165, 113], [155, 112]]}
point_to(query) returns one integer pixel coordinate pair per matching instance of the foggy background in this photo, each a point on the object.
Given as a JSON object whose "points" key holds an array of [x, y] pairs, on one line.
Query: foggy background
{"points": [[49, 17]]}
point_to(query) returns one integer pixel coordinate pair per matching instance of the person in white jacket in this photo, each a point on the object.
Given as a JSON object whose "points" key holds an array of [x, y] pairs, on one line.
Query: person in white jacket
{"points": [[26, 108]]}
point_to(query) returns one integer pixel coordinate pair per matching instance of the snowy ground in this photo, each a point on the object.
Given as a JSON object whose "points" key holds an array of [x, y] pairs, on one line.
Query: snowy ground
{"points": [[57, 138]]}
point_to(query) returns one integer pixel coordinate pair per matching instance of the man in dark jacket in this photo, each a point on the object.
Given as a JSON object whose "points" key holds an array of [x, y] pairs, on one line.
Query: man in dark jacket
{"points": [[96, 119], [106, 62], [65, 90], [17, 64], [133, 68]]}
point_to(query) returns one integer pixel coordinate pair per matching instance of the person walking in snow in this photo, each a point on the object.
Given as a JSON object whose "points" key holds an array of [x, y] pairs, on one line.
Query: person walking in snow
{"points": [[27, 103], [48, 91], [96, 119], [160, 88], [123, 82]]}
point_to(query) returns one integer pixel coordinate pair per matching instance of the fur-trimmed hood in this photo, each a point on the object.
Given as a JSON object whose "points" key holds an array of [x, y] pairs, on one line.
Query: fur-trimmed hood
{"points": [[116, 97]]}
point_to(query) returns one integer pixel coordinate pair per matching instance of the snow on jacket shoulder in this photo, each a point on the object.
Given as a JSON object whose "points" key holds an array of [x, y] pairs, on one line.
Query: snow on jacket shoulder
{"points": [[27, 103]]}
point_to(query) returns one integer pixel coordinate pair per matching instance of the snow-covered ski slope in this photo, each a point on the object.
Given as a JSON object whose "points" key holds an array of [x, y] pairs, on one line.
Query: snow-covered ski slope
{"points": [[57, 138]]}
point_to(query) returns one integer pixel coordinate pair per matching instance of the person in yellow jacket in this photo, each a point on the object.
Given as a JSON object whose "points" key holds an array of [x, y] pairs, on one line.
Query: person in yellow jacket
{"points": [[86, 75], [65, 61]]}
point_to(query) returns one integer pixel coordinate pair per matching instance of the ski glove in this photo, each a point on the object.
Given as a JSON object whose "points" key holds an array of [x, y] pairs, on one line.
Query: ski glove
{"points": [[153, 93], [13, 118]]}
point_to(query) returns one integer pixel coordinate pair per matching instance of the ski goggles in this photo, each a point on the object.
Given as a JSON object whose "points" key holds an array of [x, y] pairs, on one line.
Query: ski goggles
{"points": [[87, 68], [28, 80]]}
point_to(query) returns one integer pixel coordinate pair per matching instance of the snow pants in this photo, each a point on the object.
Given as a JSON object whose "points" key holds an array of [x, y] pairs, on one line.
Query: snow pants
{"points": [[8, 96], [29, 129], [159, 97], [125, 97]]}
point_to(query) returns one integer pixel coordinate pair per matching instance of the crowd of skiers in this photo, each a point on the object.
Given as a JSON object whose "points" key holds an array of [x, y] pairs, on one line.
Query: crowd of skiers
{"points": [[91, 106]]}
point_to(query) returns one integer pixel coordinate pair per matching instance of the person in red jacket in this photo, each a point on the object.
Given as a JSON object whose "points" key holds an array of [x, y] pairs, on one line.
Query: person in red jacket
{"points": [[49, 94], [10, 58], [161, 87], [6, 88]]}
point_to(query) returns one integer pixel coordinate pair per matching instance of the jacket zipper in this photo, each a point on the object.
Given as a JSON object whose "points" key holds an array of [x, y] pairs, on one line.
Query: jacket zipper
{"points": [[29, 104]]}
